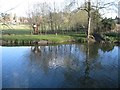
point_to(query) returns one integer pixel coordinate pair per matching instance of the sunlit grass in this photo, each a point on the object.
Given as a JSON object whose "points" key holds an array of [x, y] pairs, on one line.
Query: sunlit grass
{"points": [[53, 38], [14, 27]]}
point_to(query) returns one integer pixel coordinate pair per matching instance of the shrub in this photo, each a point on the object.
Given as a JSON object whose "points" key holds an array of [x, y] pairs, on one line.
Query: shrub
{"points": [[107, 24]]}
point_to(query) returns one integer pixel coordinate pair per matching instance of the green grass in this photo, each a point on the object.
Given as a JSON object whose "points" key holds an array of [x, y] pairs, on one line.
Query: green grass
{"points": [[112, 36], [23, 32], [48, 37], [17, 32], [81, 37], [14, 27], [53, 38]]}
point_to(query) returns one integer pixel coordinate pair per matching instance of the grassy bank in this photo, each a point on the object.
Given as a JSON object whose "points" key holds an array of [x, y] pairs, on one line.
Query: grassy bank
{"points": [[42, 39], [55, 38], [52, 38], [22, 33]]}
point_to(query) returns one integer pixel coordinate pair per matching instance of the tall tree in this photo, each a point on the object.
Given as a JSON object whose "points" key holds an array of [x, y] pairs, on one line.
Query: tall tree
{"points": [[89, 18]]}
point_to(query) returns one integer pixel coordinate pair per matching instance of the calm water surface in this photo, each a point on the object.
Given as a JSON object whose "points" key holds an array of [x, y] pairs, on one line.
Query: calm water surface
{"points": [[60, 66]]}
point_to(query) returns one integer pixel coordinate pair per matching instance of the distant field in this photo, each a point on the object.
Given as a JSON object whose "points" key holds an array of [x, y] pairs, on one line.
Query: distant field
{"points": [[17, 32], [14, 27], [26, 29]]}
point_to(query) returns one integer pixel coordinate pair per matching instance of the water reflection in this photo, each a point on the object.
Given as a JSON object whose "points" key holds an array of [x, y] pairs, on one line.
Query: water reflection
{"points": [[35, 49], [107, 47], [69, 65]]}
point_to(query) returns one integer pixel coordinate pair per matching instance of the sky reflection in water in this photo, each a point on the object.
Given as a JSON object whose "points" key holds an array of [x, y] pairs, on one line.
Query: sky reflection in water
{"points": [[70, 65]]}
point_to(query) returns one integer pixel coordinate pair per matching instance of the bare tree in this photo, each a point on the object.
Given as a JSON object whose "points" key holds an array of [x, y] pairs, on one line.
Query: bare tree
{"points": [[89, 8], [37, 15]]}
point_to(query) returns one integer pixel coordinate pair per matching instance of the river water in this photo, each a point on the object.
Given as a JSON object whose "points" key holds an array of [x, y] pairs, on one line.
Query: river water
{"points": [[60, 66]]}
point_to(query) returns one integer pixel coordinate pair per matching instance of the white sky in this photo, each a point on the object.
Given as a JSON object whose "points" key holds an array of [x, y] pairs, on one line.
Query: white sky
{"points": [[22, 6]]}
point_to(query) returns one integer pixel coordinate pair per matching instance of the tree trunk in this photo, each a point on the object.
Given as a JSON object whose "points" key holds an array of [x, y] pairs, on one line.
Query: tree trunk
{"points": [[89, 22], [89, 18]]}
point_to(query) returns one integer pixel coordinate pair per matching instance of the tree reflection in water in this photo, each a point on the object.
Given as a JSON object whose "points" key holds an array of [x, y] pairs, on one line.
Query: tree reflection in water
{"points": [[91, 53], [81, 78], [76, 62], [66, 65], [86, 80], [36, 49]]}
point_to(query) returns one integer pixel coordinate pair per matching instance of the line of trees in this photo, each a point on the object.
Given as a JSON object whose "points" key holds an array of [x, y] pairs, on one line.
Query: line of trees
{"points": [[72, 18], [51, 20], [85, 18]]}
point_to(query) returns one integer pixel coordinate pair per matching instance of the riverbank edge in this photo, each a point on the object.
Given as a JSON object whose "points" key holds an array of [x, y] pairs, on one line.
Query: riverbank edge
{"points": [[39, 39], [48, 41], [33, 42], [44, 42]]}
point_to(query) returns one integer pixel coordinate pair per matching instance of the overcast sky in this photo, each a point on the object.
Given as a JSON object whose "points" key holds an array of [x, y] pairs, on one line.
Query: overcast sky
{"points": [[22, 6]]}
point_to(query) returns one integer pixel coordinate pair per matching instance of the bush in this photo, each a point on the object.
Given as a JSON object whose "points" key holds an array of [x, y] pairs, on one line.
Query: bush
{"points": [[112, 34], [107, 24]]}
